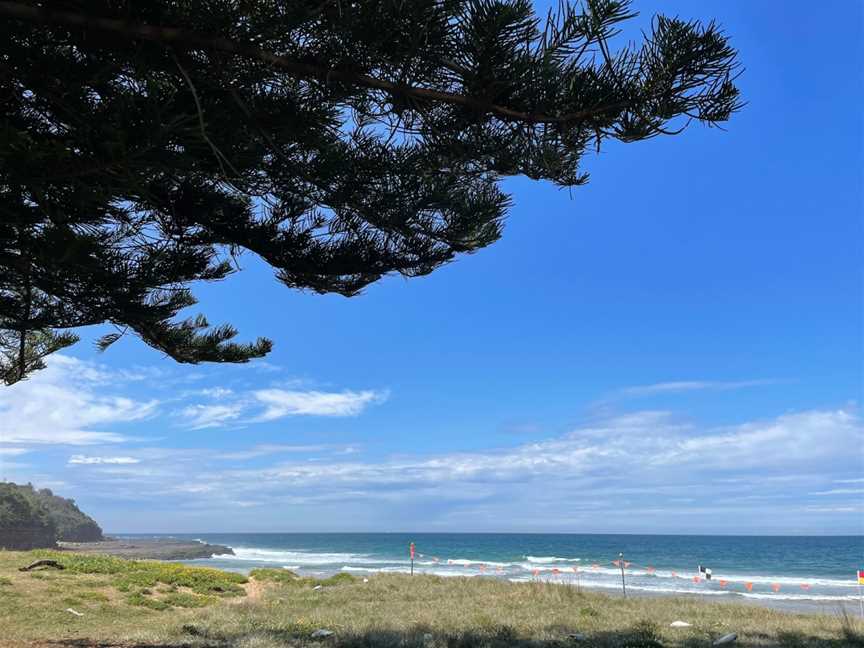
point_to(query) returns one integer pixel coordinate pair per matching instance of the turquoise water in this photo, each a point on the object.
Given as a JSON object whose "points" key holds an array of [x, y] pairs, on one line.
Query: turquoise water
{"points": [[806, 570]]}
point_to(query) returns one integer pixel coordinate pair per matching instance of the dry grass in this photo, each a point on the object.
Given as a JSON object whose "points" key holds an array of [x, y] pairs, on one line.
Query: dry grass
{"points": [[395, 610], [390, 611]]}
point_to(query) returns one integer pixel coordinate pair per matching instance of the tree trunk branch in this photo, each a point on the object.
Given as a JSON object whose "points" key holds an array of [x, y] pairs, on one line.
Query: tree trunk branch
{"points": [[42, 563], [192, 39]]}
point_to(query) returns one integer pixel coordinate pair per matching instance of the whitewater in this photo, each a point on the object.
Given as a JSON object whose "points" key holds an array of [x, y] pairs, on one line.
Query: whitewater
{"points": [[797, 572]]}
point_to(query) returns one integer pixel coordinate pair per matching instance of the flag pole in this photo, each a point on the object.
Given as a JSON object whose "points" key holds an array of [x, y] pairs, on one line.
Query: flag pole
{"points": [[859, 574], [621, 564], [860, 598], [411, 550]]}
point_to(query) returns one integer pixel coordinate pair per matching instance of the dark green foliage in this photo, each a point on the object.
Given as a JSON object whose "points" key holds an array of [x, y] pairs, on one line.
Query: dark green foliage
{"points": [[146, 601], [24, 522], [72, 524], [145, 145], [644, 634], [66, 521]]}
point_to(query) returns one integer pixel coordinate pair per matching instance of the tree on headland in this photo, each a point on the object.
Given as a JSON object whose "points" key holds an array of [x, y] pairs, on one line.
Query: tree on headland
{"points": [[32, 518], [24, 521], [145, 145]]}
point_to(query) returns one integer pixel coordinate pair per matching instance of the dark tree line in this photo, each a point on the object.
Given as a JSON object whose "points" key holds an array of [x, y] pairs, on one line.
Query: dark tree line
{"points": [[145, 145], [31, 517]]}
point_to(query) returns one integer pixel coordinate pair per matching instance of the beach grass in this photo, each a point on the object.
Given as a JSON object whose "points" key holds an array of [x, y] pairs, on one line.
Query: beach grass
{"points": [[126, 603]]}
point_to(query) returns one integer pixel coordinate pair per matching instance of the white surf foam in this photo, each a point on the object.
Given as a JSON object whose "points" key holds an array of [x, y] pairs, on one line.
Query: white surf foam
{"points": [[798, 597], [464, 562], [787, 580], [449, 573], [297, 558], [660, 581]]}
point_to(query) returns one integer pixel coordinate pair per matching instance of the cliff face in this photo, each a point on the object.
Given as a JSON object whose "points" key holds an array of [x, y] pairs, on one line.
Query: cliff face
{"points": [[31, 518], [24, 521]]}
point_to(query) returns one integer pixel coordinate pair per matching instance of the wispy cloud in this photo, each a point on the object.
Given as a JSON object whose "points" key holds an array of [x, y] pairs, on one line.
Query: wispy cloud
{"points": [[264, 405], [86, 460], [841, 491], [622, 468], [662, 449], [69, 402], [216, 392], [834, 509], [265, 450], [618, 467], [281, 402], [680, 386], [199, 417], [12, 452]]}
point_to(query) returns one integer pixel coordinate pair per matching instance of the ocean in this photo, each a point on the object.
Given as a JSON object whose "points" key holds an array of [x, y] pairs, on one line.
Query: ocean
{"points": [[786, 572]]}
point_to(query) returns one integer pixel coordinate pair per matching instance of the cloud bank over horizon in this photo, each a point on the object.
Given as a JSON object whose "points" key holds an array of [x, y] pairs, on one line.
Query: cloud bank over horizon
{"points": [[177, 458]]}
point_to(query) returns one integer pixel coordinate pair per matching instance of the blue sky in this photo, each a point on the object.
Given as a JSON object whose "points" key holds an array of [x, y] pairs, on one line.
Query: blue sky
{"points": [[674, 348]]}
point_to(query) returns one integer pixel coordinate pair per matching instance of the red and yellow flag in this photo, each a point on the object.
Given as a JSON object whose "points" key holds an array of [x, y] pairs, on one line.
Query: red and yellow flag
{"points": [[861, 576]]}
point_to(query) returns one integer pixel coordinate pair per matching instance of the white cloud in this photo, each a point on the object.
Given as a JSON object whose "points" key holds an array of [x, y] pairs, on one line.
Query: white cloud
{"points": [[264, 405], [64, 403], [267, 449], [13, 452], [616, 470], [833, 509], [791, 439], [84, 459], [649, 451], [216, 392], [199, 417], [690, 385], [650, 458], [281, 403], [841, 491]]}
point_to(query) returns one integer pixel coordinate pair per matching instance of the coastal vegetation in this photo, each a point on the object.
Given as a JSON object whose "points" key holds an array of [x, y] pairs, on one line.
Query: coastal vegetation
{"points": [[24, 520], [121, 603], [37, 518], [73, 525]]}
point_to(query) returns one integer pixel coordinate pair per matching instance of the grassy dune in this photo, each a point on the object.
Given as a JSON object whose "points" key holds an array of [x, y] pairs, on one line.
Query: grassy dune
{"points": [[161, 604]]}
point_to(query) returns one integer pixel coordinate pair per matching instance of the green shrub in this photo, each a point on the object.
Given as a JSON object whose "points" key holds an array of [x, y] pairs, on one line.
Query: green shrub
{"points": [[287, 577], [186, 600], [338, 579], [131, 574], [282, 576], [146, 601], [644, 634]]}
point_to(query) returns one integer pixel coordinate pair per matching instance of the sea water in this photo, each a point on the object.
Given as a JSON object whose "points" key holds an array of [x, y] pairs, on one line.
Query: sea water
{"points": [[794, 571]]}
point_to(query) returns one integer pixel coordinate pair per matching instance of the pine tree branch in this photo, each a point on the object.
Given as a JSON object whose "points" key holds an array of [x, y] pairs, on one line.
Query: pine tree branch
{"points": [[216, 152], [188, 38]]}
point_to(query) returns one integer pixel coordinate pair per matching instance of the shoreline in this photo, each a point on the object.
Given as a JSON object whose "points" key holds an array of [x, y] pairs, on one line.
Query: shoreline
{"points": [[803, 606], [201, 553]]}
